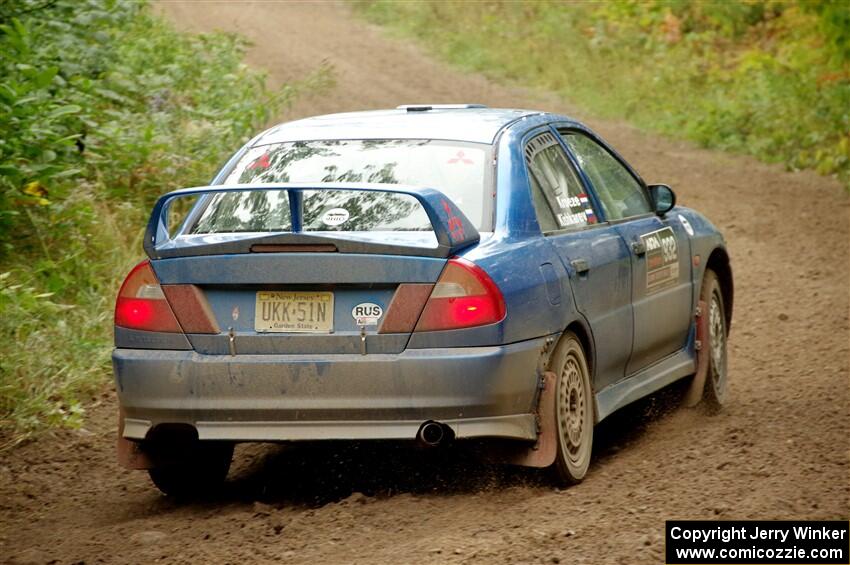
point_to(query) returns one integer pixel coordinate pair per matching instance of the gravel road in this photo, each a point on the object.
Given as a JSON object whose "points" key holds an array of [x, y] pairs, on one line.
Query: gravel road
{"points": [[778, 450]]}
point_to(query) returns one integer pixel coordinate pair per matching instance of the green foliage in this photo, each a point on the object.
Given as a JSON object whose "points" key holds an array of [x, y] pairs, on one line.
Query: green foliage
{"points": [[834, 22], [766, 77], [103, 107]]}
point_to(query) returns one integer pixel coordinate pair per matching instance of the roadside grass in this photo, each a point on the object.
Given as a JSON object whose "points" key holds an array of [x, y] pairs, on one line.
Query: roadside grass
{"points": [[763, 77], [103, 107]]}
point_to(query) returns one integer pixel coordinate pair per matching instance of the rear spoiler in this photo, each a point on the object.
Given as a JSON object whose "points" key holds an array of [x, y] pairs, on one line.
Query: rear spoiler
{"points": [[452, 228]]}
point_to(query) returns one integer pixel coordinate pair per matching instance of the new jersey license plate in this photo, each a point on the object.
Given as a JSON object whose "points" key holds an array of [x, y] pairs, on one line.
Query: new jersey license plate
{"points": [[307, 312]]}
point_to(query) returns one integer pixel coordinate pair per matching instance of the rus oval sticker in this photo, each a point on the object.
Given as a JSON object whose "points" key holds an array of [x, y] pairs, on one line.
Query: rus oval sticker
{"points": [[367, 314], [335, 217]]}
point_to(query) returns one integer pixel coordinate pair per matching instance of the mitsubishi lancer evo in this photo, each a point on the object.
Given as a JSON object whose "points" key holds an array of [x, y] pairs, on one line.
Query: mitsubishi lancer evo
{"points": [[429, 273]]}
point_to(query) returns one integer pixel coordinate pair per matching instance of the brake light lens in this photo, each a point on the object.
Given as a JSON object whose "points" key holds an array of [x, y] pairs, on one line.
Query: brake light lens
{"points": [[464, 297], [141, 304]]}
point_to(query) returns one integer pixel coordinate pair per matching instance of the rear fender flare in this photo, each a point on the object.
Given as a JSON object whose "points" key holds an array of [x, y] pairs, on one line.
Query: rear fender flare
{"points": [[543, 452], [582, 329]]}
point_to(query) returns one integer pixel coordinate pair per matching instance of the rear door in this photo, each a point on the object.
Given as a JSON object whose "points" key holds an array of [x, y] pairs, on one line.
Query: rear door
{"points": [[594, 255], [659, 249]]}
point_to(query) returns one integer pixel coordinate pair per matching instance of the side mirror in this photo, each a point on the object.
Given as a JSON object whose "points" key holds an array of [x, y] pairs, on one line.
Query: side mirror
{"points": [[663, 198]]}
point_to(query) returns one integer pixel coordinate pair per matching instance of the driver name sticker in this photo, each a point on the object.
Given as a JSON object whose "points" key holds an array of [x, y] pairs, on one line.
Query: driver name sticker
{"points": [[662, 259], [335, 217], [574, 210], [566, 219]]}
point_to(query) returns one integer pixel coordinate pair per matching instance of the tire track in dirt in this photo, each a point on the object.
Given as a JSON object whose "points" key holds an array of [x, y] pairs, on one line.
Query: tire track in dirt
{"points": [[779, 450]]}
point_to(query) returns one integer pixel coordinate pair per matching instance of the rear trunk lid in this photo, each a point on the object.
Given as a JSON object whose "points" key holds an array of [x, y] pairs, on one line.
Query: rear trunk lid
{"points": [[334, 268]]}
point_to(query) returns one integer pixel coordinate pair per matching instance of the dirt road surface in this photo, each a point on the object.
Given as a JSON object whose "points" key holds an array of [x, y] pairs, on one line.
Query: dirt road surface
{"points": [[779, 450]]}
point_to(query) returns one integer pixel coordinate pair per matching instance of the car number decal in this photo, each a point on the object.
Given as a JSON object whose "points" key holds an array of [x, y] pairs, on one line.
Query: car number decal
{"points": [[662, 259]]}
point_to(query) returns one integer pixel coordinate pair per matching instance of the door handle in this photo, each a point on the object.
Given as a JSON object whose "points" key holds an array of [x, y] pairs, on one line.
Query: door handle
{"points": [[580, 265], [639, 248]]}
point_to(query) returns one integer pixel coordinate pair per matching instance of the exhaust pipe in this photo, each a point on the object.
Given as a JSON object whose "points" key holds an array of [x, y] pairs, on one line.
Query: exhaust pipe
{"points": [[431, 433]]}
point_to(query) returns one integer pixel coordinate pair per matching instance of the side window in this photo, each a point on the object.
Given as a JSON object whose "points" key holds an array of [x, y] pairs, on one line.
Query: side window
{"points": [[545, 217], [557, 193], [622, 196]]}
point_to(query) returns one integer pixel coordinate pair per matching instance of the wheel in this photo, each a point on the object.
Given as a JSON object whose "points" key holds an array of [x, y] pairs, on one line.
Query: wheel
{"points": [[199, 468], [714, 393], [573, 410]]}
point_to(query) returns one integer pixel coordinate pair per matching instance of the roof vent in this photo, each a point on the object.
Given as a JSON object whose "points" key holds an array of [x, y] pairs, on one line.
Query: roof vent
{"points": [[426, 107]]}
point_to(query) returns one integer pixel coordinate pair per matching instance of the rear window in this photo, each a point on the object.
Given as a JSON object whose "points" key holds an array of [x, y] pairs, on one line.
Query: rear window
{"points": [[457, 169], [322, 210], [249, 211]]}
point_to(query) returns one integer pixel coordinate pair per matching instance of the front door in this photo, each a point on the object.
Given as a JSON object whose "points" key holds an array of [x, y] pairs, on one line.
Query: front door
{"points": [[661, 288]]}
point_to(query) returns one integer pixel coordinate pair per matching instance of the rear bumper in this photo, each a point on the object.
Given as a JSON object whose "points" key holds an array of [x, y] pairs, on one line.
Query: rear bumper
{"points": [[478, 391]]}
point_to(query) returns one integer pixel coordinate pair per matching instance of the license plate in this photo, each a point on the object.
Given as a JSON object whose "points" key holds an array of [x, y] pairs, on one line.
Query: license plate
{"points": [[307, 312]]}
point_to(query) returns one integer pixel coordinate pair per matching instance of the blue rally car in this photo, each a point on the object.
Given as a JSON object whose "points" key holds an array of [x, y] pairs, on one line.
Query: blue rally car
{"points": [[430, 273]]}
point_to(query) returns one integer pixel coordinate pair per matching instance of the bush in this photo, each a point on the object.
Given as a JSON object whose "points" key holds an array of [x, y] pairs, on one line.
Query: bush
{"points": [[103, 107], [766, 77]]}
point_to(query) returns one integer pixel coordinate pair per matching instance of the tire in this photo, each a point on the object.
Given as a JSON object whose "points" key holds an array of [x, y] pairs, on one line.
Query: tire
{"points": [[573, 411], [200, 468], [714, 392]]}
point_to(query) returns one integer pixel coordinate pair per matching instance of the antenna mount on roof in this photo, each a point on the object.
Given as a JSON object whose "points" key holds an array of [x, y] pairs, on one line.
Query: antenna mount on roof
{"points": [[426, 107]]}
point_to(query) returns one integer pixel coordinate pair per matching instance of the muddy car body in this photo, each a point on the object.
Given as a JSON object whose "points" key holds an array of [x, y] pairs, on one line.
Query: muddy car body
{"points": [[439, 273]]}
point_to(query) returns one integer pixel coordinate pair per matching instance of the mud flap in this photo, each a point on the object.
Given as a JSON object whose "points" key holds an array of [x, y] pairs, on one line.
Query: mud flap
{"points": [[130, 453], [542, 454], [695, 391]]}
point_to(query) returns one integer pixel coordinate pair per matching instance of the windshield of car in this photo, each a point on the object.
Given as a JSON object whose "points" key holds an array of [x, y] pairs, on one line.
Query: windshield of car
{"points": [[457, 169]]}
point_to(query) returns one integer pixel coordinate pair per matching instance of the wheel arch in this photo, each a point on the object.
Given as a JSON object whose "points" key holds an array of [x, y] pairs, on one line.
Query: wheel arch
{"points": [[718, 262], [582, 331]]}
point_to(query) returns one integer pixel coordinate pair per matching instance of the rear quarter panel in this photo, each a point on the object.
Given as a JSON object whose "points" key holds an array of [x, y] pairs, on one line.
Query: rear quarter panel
{"points": [[534, 308]]}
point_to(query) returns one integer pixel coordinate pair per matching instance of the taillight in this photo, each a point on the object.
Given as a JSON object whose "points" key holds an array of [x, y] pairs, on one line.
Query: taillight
{"points": [[464, 297], [141, 304]]}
